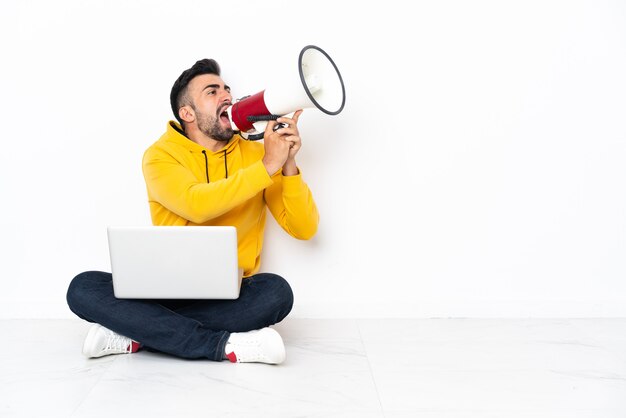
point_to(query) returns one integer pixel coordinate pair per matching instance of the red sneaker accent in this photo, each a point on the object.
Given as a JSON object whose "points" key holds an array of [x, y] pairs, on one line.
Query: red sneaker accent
{"points": [[232, 357], [134, 346]]}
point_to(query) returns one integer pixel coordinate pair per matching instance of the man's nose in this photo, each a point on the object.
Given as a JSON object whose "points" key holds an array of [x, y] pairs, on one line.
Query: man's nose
{"points": [[226, 96]]}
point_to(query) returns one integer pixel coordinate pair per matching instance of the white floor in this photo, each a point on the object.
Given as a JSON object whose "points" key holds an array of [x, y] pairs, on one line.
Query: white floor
{"points": [[335, 368]]}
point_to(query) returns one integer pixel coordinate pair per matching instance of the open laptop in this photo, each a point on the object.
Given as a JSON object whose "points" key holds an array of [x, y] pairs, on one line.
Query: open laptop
{"points": [[174, 262]]}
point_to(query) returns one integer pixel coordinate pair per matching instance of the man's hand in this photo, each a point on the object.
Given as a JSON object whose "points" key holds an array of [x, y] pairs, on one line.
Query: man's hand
{"points": [[282, 145]]}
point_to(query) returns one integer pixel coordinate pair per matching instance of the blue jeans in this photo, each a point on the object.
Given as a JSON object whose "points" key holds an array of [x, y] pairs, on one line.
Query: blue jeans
{"points": [[184, 328]]}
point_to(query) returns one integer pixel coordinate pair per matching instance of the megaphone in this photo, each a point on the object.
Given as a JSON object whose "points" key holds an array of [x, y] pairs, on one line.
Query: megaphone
{"points": [[317, 84]]}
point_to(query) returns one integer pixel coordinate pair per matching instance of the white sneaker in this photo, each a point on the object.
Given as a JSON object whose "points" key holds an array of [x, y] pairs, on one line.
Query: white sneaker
{"points": [[259, 346], [101, 341]]}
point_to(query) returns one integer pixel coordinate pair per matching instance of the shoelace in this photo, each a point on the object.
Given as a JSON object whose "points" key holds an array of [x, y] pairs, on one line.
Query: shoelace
{"points": [[117, 343], [249, 354], [248, 349]]}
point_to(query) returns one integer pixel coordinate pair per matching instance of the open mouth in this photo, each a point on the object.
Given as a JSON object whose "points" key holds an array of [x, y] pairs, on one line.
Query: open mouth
{"points": [[224, 114]]}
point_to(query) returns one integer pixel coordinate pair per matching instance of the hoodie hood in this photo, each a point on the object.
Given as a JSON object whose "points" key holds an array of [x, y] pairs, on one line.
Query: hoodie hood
{"points": [[174, 134]]}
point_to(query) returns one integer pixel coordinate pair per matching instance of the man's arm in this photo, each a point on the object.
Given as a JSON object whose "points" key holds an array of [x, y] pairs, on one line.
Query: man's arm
{"points": [[177, 189], [291, 203], [289, 199]]}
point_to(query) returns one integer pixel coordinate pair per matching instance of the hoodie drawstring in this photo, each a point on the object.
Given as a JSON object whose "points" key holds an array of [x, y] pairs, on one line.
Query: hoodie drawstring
{"points": [[225, 165], [206, 165]]}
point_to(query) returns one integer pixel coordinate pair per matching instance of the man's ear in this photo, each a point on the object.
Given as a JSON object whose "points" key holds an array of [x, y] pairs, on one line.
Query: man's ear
{"points": [[187, 114]]}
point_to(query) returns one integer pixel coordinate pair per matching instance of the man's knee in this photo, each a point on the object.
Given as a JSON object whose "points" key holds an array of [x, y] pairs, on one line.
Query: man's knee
{"points": [[286, 294], [83, 288], [281, 295]]}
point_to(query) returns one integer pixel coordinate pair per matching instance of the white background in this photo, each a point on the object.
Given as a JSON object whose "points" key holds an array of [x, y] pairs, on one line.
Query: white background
{"points": [[477, 170]]}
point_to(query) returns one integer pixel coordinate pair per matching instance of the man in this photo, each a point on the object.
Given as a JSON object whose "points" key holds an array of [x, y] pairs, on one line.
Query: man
{"points": [[201, 173]]}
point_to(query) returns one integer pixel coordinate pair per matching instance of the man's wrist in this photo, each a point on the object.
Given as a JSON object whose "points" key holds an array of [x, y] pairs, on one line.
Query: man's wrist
{"points": [[290, 168], [271, 168]]}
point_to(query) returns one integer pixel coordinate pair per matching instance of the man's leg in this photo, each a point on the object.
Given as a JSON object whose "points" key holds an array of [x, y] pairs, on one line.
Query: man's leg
{"points": [[265, 299], [90, 296], [189, 329]]}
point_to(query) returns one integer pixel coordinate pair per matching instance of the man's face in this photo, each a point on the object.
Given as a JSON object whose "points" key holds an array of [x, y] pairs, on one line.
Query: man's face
{"points": [[210, 99]]}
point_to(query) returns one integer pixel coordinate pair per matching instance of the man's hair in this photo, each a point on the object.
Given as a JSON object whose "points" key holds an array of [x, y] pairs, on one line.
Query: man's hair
{"points": [[178, 95]]}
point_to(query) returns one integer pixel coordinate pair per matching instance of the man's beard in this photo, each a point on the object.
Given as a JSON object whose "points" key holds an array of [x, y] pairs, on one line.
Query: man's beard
{"points": [[211, 127]]}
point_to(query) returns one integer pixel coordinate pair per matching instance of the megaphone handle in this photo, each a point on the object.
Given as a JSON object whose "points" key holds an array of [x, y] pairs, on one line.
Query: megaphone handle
{"points": [[254, 137], [260, 128], [259, 118]]}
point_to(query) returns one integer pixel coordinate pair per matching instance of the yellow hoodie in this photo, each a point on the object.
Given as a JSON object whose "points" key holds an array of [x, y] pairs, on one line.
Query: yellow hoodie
{"points": [[191, 185]]}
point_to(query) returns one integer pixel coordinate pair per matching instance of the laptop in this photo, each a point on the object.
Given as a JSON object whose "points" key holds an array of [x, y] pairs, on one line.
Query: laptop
{"points": [[174, 262]]}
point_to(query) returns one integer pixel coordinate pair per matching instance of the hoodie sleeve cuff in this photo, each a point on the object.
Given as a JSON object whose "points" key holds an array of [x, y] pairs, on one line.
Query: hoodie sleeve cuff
{"points": [[259, 175], [293, 185]]}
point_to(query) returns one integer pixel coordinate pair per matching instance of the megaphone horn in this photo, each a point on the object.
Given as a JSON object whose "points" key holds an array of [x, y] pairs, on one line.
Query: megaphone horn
{"points": [[318, 84]]}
